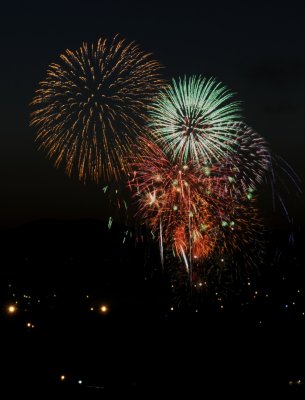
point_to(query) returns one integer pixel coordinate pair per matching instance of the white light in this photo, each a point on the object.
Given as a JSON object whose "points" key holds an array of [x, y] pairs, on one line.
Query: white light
{"points": [[80, 382]]}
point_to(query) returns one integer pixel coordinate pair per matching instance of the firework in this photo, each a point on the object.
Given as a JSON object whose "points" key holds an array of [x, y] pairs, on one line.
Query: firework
{"points": [[192, 120], [196, 212], [245, 169], [181, 204], [223, 265], [91, 106]]}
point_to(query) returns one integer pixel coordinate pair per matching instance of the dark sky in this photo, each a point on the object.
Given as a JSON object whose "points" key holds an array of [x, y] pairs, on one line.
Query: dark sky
{"points": [[258, 51]]}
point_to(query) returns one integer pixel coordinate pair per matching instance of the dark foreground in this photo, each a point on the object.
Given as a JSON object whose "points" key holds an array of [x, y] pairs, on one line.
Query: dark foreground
{"points": [[121, 355], [139, 347]]}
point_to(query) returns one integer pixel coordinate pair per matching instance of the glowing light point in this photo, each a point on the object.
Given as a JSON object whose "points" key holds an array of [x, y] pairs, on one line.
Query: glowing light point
{"points": [[207, 171], [203, 227], [104, 309], [249, 196]]}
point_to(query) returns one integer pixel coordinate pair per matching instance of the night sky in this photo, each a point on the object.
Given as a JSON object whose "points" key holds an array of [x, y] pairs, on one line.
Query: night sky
{"points": [[257, 51], [61, 263]]}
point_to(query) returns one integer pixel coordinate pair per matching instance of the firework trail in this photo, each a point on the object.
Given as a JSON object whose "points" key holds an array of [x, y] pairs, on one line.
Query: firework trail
{"points": [[282, 180]]}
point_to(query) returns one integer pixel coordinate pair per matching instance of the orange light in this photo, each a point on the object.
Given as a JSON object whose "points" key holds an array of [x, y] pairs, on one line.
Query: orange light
{"points": [[104, 309], [11, 309]]}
